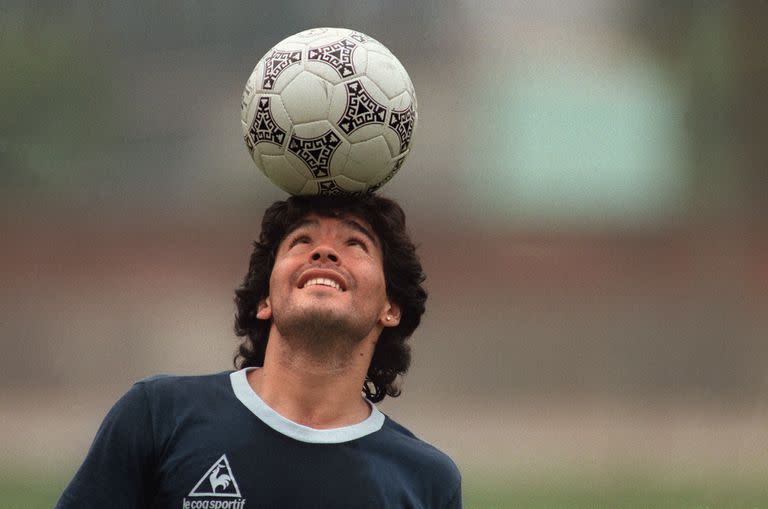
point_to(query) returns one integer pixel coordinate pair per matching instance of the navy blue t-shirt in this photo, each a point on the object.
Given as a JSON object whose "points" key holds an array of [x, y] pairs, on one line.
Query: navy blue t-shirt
{"points": [[210, 442]]}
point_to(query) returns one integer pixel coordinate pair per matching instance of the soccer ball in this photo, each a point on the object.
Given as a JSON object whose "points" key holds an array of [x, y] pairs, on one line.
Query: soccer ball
{"points": [[329, 111]]}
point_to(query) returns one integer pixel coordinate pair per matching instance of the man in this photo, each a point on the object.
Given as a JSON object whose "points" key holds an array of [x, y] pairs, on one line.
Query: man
{"points": [[332, 294]]}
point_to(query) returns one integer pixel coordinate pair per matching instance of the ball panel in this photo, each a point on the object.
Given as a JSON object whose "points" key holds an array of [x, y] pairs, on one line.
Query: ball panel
{"points": [[403, 101], [372, 44], [340, 157], [409, 86], [247, 111], [388, 174], [310, 187], [280, 171], [397, 67], [298, 165], [330, 35], [313, 129], [396, 164], [393, 141], [310, 34], [362, 38], [384, 70], [366, 159], [306, 98], [255, 156], [365, 133], [349, 185], [249, 92]]}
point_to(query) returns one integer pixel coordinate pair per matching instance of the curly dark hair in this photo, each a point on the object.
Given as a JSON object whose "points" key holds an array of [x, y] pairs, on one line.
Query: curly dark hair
{"points": [[402, 271]]}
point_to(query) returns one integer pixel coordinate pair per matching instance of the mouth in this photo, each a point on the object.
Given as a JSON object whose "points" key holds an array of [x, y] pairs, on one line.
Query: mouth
{"points": [[322, 278], [321, 281]]}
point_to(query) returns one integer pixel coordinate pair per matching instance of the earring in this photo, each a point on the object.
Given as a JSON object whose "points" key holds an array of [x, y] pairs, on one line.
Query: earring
{"points": [[389, 318]]}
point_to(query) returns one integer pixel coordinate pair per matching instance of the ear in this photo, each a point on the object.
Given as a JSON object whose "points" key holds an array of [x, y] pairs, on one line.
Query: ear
{"points": [[264, 309], [391, 315]]}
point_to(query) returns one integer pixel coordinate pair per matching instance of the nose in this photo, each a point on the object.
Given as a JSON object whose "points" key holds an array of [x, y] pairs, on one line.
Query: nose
{"points": [[324, 253]]}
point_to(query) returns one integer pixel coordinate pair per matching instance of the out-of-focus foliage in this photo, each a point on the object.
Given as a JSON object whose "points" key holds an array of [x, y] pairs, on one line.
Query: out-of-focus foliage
{"points": [[54, 95]]}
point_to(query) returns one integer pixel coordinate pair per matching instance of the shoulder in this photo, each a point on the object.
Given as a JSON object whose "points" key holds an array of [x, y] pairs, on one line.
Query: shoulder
{"points": [[166, 381], [422, 467], [167, 402], [167, 396], [420, 454], [180, 385]]}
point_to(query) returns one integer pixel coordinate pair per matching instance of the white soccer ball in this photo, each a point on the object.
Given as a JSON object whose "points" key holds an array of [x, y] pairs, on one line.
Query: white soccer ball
{"points": [[328, 111]]}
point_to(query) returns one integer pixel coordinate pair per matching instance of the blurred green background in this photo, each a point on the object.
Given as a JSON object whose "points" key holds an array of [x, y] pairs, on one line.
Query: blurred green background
{"points": [[585, 187]]}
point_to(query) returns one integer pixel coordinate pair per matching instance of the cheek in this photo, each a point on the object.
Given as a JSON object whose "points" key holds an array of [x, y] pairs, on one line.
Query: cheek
{"points": [[279, 276], [285, 273], [377, 282]]}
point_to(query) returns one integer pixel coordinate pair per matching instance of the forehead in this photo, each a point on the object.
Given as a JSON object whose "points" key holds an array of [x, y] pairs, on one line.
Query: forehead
{"points": [[339, 221]]}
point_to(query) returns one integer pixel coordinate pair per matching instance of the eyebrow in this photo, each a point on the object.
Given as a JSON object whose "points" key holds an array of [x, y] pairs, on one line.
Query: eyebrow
{"points": [[354, 225], [349, 223], [301, 224]]}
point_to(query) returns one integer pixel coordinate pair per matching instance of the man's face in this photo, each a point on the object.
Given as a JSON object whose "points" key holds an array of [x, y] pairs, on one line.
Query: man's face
{"points": [[328, 280]]}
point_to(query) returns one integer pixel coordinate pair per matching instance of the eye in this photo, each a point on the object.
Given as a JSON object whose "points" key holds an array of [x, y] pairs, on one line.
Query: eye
{"points": [[299, 239], [355, 241]]}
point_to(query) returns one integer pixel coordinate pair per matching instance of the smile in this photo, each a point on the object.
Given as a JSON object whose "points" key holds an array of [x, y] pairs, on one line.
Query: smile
{"points": [[322, 282]]}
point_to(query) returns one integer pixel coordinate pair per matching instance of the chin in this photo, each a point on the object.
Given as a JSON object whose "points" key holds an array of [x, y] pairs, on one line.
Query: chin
{"points": [[321, 323]]}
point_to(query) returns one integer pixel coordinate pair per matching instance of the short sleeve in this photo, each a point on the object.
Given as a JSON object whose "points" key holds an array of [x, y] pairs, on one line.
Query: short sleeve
{"points": [[118, 470], [455, 501]]}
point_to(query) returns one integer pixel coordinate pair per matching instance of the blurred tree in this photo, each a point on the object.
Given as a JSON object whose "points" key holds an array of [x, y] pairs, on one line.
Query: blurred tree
{"points": [[720, 50], [54, 96]]}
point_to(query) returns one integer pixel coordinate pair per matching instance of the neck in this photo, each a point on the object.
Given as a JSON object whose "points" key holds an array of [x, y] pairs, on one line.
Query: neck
{"points": [[319, 390]]}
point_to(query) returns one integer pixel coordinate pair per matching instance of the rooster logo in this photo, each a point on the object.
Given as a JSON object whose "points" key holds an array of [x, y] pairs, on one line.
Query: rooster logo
{"points": [[217, 480], [221, 480]]}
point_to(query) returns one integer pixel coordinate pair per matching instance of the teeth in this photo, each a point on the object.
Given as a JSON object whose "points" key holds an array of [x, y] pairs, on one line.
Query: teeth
{"points": [[322, 281]]}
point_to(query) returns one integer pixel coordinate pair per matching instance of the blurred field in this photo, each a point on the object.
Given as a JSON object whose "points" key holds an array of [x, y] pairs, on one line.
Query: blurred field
{"points": [[30, 490], [626, 491], [621, 490]]}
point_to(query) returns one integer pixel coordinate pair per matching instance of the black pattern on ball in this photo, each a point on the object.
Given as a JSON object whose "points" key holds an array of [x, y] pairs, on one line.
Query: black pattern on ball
{"points": [[276, 63], [361, 38], [264, 128], [249, 143], [361, 108], [337, 54], [329, 187], [389, 176], [402, 122], [316, 152]]}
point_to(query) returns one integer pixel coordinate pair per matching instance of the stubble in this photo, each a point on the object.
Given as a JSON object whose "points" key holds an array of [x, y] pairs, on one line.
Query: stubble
{"points": [[322, 333]]}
